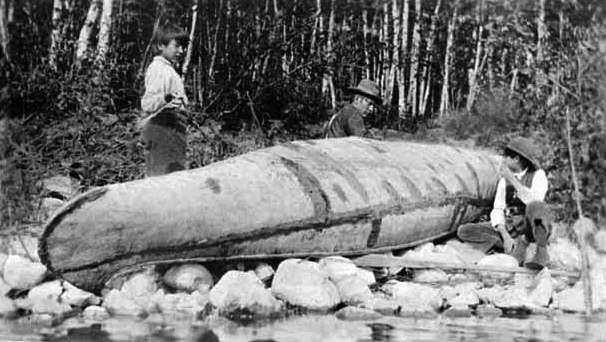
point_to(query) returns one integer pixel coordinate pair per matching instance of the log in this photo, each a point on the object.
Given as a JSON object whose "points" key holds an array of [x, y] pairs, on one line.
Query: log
{"points": [[347, 196]]}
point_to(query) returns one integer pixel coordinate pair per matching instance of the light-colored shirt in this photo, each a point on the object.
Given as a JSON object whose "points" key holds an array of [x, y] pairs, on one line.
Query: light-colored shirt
{"points": [[161, 78], [536, 192]]}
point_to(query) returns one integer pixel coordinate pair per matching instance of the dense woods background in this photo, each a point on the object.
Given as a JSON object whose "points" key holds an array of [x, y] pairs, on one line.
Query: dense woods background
{"points": [[265, 71]]}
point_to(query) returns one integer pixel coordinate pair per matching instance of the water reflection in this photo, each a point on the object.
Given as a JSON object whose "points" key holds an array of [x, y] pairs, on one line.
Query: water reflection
{"points": [[316, 328]]}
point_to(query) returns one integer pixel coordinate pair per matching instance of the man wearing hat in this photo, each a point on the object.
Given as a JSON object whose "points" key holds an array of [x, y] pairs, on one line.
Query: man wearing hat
{"points": [[350, 119], [519, 214]]}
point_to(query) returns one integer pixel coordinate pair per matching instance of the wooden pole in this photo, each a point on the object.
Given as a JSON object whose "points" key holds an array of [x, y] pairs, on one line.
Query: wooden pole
{"points": [[580, 234]]}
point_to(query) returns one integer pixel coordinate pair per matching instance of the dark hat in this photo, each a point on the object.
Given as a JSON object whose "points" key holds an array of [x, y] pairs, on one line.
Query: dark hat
{"points": [[526, 148], [368, 89]]}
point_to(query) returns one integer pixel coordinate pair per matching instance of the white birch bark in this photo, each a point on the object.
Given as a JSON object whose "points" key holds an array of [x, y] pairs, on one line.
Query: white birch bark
{"points": [[445, 98], [473, 75], [314, 32], [415, 60], [55, 33], [105, 27], [395, 59], [385, 56], [403, 96], [327, 83], [364, 43], [190, 44], [87, 28], [426, 70], [4, 35]]}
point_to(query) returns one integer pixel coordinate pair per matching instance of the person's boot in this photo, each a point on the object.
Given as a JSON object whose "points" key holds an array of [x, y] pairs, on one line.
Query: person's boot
{"points": [[519, 250], [539, 260]]}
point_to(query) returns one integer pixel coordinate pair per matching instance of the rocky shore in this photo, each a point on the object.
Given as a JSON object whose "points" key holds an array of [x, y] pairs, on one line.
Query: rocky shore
{"points": [[332, 285]]}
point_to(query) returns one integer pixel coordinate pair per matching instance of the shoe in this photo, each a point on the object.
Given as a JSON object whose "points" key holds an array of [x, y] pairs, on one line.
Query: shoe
{"points": [[539, 260], [519, 250]]}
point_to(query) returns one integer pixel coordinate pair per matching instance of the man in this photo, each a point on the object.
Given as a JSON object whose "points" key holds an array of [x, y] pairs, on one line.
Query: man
{"points": [[163, 127], [519, 214], [350, 119]]}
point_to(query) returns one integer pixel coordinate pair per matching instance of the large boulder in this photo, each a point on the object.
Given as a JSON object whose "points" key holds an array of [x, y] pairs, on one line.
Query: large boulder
{"points": [[436, 276], [366, 275], [430, 253], [142, 285], [354, 290], [46, 298], [21, 273], [95, 313], [412, 296], [497, 260], [62, 187], [337, 267], [238, 292], [571, 299], [564, 255], [383, 304], [120, 303], [181, 304], [512, 298], [48, 205], [302, 283], [188, 278], [466, 252], [77, 297]]}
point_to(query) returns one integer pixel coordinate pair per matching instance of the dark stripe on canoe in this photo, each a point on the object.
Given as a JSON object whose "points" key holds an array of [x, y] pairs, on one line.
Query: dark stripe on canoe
{"points": [[440, 184], [339, 191], [476, 178], [462, 183], [373, 237], [413, 190], [311, 186]]}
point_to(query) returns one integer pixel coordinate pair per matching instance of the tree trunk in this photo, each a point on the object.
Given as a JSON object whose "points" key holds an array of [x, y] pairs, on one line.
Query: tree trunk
{"points": [[473, 76], [190, 44], [328, 90], [395, 59], [105, 27], [444, 98], [364, 43], [4, 35], [385, 57], [415, 61], [426, 70], [541, 30], [55, 33], [404, 60], [214, 52], [86, 30]]}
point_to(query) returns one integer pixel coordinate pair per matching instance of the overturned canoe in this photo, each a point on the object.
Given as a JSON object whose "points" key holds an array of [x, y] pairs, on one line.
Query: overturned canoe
{"points": [[322, 197]]}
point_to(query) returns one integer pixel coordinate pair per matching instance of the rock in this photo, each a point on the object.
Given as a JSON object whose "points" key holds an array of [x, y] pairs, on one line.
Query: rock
{"points": [[4, 287], [584, 226], [413, 296], [22, 274], [7, 307], [354, 290], [95, 313], [48, 206], [564, 255], [77, 297], [513, 298], [141, 285], [540, 290], [488, 311], [457, 311], [383, 304], [337, 267], [430, 253], [462, 278], [447, 293], [488, 294], [46, 298], [264, 272], [240, 291], [570, 300], [465, 299], [301, 283], [418, 311], [120, 303], [182, 304], [350, 313], [501, 260], [367, 276], [46, 319], [465, 251], [599, 241], [188, 277], [430, 276], [60, 186]]}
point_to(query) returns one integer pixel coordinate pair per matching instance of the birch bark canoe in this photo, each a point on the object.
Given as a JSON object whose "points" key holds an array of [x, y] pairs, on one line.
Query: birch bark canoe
{"points": [[346, 196]]}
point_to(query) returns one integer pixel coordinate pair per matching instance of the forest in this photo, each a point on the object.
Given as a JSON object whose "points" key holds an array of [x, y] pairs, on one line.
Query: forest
{"points": [[262, 72]]}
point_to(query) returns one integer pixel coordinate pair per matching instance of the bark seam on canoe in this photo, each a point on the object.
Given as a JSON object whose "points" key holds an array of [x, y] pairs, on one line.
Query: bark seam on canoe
{"points": [[373, 237], [311, 186], [54, 221]]}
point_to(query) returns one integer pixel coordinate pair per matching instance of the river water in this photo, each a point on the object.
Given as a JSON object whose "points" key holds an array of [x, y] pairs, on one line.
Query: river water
{"points": [[317, 328]]}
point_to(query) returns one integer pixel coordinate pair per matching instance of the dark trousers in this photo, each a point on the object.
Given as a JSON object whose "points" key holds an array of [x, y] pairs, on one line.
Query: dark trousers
{"points": [[164, 141], [534, 225]]}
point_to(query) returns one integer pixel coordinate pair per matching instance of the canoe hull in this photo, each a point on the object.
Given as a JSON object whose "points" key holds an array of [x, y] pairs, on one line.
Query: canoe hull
{"points": [[324, 197]]}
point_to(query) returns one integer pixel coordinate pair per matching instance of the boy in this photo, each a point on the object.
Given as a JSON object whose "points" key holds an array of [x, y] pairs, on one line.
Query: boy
{"points": [[350, 119], [163, 126], [519, 215]]}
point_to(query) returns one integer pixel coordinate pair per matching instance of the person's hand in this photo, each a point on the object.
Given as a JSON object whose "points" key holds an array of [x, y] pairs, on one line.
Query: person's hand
{"points": [[173, 101], [505, 171], [508, 244]]}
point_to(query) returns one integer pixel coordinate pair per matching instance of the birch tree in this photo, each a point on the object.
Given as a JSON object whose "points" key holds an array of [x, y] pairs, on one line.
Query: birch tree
{"points": [[194, 13], [87, 28], [415, 60], [4, 35], [105, 26], [327, 82], [473, 75], [425, 88], [392, 80], [55, 33], [445, 98], [403, 96]]}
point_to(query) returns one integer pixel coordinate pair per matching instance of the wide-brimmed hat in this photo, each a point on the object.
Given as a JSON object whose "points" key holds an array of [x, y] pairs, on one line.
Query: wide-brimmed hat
{"points": [[526, 148], [368, 89]]}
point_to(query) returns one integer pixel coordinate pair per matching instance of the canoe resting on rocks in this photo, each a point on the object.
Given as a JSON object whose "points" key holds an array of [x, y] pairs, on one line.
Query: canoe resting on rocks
{"points": [[346, 196]]}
